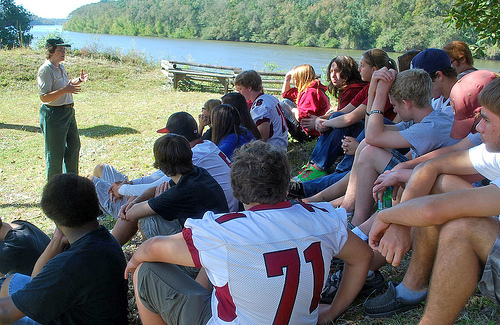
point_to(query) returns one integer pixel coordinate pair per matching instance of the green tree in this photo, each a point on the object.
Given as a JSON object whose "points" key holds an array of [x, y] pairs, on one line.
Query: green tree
{"points": [[14, 25], [482, 16]]}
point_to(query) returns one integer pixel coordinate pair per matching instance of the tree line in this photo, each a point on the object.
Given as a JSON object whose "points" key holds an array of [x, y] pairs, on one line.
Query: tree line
{"points": [[394, 25]]}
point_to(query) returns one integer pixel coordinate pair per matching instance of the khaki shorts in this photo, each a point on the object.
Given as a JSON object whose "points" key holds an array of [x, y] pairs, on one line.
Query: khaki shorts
{"points": [[167, 291]]}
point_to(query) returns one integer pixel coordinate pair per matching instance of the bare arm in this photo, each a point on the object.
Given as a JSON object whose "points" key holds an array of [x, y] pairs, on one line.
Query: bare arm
{"points": [[357, 257], [55, 246], [347, 119], [8, 311], [73, 87], [286, 83], [167, 249], [264, 129]]}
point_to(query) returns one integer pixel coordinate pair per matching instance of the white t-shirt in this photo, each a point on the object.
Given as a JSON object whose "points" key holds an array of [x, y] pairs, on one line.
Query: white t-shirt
{"points": [[269, 261], [442, 104], [205, 154], [266, 108], [486, 163]]}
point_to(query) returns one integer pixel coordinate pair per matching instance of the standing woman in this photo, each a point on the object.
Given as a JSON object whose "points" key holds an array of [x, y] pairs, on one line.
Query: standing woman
{"points": [[57, 115]]}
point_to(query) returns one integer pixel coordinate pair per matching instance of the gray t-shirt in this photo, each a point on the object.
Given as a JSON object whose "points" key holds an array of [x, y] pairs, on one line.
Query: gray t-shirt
{"points": [[52, 78], [432, 133]]}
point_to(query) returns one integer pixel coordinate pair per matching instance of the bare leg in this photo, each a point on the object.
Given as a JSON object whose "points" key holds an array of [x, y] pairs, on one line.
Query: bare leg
{"points": [[331, 192], [147, 316], [350, 192], [371, 163], [123, 230], [98, 170], [4, 291], [464, 245]]}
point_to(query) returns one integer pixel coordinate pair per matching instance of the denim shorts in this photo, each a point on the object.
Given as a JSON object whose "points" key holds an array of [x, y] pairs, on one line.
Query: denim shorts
{"points": [[18, 282], [397, 157]]}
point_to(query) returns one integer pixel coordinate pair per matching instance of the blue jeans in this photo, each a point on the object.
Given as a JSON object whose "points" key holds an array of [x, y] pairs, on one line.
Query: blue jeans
{"points": [[319, 184], [329, 145], [18, 282]]}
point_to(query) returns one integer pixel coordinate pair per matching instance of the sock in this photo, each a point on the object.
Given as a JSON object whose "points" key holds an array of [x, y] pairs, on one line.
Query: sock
{"points": [[409, 295], [360, 234]]}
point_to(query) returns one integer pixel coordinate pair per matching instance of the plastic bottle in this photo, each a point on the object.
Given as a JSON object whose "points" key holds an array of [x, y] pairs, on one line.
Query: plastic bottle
{"points": [[386, 199]]}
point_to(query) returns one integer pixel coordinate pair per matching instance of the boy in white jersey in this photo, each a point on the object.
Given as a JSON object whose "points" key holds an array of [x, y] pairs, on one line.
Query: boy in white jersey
{"points": [[264, 265], [266, 110], [458, 225]]}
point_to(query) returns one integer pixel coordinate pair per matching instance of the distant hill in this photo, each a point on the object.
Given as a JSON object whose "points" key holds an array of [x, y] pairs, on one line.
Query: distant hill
{"points": [[47, 21], [395, 25]]}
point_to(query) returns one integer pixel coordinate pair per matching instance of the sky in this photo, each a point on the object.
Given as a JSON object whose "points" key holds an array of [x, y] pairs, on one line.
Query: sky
{"points": [[52, 8]]}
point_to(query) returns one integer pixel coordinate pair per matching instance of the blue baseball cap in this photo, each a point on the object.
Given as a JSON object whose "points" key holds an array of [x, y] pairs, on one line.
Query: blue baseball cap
{"points": [[431, 60]]}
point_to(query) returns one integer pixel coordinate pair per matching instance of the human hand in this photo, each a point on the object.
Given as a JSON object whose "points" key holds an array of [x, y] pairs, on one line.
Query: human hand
{"points": [[132, 265], [318, 124], [84, 77], [59, 238], [122, 214], [308, 123], [161, 188], [72, 88], [395, 243], [114, 191], [204, 120], [288, 75], [385, 180], [349, 145]]}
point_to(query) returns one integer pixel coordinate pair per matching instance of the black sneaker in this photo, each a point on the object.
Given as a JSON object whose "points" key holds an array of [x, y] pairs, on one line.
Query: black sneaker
{"points": [[389, 304], [374, 284], [296, 190]]}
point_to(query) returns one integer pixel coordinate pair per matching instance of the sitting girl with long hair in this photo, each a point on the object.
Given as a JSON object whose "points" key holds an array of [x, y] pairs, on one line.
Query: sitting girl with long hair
{"points": [[227, 132], [308, 97]]}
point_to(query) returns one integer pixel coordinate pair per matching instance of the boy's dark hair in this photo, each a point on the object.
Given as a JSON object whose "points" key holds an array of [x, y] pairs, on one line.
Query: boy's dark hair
{"points": [[249, 78], [173, 155], [489, 97], [70, 200], [449, 72], [260, 173]]}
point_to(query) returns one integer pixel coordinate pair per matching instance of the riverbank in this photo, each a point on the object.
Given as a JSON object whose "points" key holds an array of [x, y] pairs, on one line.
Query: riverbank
{"points": [[118, 112]]}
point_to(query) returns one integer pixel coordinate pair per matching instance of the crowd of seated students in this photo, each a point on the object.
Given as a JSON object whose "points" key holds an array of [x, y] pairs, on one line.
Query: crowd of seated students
{"points": [[219, 230]]}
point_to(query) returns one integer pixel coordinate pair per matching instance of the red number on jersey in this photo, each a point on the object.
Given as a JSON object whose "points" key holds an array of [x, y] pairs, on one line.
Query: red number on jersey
{"points": [[224, 157], [289, 259]]}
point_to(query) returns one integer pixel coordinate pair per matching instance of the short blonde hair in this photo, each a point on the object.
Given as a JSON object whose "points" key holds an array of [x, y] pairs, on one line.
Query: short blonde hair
{"points": [[414, 85]]}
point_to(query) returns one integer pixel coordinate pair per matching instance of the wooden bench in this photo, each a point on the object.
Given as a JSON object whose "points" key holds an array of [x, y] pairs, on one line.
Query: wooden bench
{"points": [[177, 70]]}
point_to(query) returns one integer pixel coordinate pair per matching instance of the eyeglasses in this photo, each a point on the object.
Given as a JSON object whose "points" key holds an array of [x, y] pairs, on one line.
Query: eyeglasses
{"points": [[61, 49]]}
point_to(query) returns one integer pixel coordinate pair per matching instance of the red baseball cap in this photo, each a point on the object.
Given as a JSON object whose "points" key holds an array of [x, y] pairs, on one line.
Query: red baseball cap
{"points": [[464, 101]]}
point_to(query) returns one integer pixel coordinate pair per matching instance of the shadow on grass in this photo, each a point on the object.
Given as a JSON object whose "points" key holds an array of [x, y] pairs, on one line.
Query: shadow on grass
{"points": [[27, 128], [19, 205], [101, 131]]}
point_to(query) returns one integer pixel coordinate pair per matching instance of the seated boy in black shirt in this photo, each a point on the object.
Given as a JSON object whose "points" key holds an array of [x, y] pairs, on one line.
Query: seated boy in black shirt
{"points": [[21, 244], [79, 277], [191, 192]]}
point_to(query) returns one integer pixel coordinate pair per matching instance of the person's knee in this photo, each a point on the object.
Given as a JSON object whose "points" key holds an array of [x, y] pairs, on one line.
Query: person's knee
{"points": [[4, 291], [98, 170]]}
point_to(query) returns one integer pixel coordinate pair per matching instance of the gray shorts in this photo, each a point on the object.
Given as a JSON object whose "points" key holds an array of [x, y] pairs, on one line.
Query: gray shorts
{"points": [[167, 291], [109, 176], [157, 226], [490, 281]]}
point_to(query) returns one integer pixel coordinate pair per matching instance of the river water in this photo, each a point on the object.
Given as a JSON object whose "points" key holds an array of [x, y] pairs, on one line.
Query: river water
{"points": [[236, 54]]}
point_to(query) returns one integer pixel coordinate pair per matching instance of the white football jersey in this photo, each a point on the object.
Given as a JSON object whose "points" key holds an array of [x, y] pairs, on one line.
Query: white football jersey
{"points": [[267, 264], [267, 108]]}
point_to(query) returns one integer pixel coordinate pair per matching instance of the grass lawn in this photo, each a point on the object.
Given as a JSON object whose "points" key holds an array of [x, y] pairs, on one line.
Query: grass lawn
{"points": [[118, 112]]}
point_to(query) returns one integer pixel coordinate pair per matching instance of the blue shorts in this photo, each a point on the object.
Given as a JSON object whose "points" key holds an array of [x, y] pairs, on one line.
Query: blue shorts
{"points": [[17, 282]]}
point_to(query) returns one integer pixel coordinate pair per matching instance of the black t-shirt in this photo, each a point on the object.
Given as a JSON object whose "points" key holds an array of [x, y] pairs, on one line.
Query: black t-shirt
{"points": [[196, 193], [207, 135], [82, 285], [21, 248]]}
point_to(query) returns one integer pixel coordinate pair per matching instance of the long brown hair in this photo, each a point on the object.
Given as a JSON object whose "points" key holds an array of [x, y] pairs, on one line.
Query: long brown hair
{"points": [[225, 121], [238, 101], [349, 72]]}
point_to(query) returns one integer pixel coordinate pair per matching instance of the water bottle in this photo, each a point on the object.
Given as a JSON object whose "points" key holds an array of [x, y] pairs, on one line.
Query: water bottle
{"points": [[386, 201]]}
